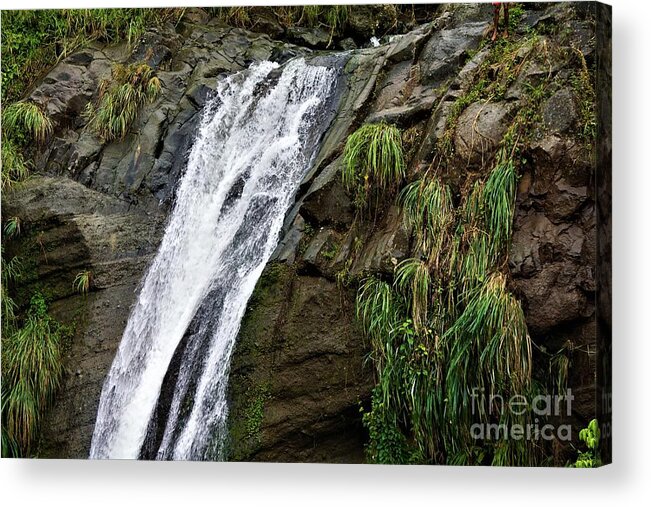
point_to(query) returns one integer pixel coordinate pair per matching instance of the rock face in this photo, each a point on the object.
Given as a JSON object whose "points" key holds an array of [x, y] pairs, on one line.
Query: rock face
{"points": [[300, 369]]}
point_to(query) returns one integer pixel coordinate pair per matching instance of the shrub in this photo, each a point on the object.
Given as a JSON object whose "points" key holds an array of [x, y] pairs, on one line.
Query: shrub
{"points": [[590, 436]]}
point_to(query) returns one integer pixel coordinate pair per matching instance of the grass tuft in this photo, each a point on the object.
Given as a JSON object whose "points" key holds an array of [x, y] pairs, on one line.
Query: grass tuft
{"points": [[14, 167], [32, 369], [82, 282], [413, 280], [27, 122], [373, 162], [121, 98], [428, 211]]}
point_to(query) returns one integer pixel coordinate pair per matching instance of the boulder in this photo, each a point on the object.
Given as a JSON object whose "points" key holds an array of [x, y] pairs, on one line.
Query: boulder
{"points": [[479, 130]]}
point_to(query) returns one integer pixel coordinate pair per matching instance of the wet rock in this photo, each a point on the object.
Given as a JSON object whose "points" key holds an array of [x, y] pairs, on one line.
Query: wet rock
{"points": [[327, 203], [288, 246], [386, 247], [299, 328]]}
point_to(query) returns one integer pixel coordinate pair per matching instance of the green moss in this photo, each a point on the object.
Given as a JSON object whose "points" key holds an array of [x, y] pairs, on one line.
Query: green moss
{"points": [[330, 250], [246, 421], [254, 412]]}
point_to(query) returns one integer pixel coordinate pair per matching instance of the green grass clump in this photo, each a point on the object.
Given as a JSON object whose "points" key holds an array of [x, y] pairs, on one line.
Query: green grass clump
{"points": [[11, 271], [23, 123], [32, 369], [27, 121], [121, 98], [14, 166], [413, 279], [374, 163], [498, 202], [82, 282], [428, 211], [379, 309]]}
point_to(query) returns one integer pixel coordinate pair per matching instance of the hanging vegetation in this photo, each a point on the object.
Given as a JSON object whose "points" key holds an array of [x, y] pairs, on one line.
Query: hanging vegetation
{"points": [[121, 98], [374, 163]]}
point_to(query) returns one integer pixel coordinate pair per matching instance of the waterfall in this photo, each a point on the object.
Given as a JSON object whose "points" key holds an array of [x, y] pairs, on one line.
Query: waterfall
{"points": [[256, 141]]}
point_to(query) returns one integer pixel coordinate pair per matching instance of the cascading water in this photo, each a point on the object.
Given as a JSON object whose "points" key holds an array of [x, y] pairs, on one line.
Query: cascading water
{"points": [[255, 144]]}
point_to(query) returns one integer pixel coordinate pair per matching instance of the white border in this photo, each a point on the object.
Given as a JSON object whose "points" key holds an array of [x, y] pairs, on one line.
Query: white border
{"points": [[71, 483]]}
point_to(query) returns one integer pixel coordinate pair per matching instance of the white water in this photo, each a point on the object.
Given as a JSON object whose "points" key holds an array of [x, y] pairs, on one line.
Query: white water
{"points": [[254, 146]]}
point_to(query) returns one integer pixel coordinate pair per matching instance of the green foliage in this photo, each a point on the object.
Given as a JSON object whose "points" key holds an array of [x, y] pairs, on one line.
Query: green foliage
{"points": [[428, 211], [373, 162], [121, 98], [590, 436], [387, 443], [449, 324], [498, 202], [32, 369], [413, 280], [489, 349], [582, 84], [11, 271], [12, 227], [516, 13], [14, 167], [26, 121], [379, 309], [34, 40], [333, 18], [23, 123], [82, 282], [236, 16]]}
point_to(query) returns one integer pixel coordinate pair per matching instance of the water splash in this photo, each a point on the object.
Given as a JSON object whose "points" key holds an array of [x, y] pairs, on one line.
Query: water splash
{"points": [[255, 144]]}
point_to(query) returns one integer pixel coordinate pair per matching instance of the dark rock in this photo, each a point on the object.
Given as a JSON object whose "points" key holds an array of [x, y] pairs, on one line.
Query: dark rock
{"points": [[299, 343], [368, 20], [327, 203], [64, 92], [443, 53], [312, 37], [347, 44], [288, 246], [386, 247], [559, 112]]}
